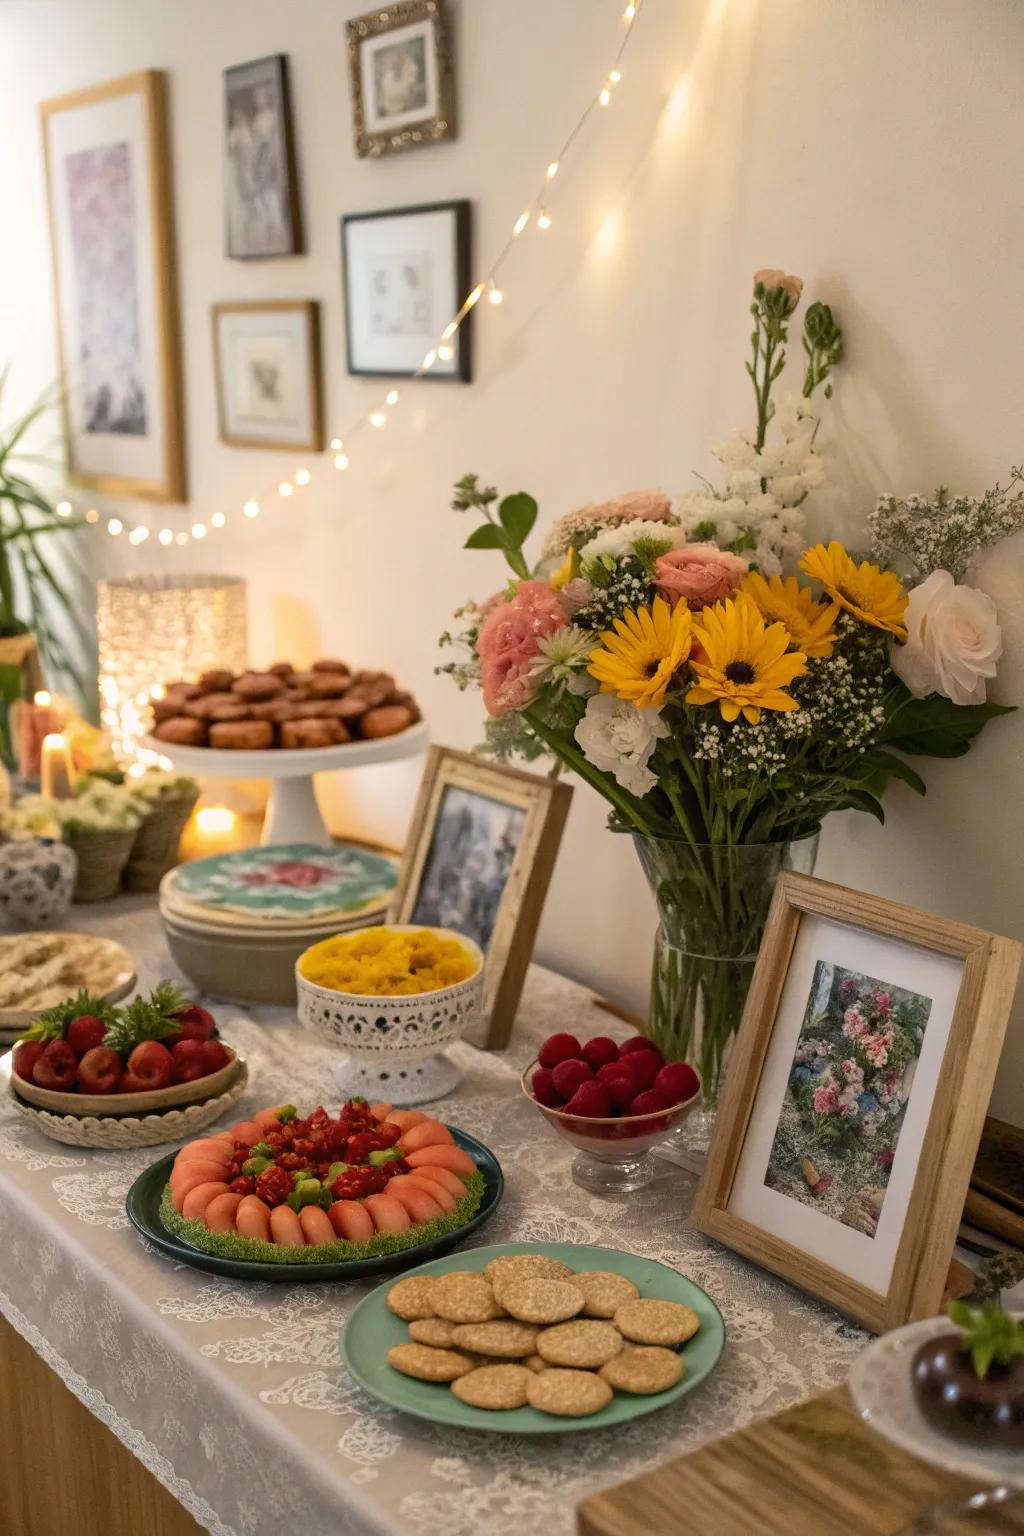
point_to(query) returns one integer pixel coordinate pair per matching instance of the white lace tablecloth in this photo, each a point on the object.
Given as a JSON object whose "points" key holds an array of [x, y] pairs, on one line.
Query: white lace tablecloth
{"points": [[232, 1394]]}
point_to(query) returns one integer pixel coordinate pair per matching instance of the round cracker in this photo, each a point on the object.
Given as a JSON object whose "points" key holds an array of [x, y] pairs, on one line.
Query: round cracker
{"points": [[648, 1321], [584, 1345], [504, 1338], [569, 1394], [493, 1386], [412, 1298], [525, 1266], [541, 1301], [428, 1364], [643, 1370], [464, 1297], [432, 1330], [604, 1291]]}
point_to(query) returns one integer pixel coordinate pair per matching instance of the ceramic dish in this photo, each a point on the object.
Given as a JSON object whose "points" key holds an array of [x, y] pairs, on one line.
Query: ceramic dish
{"points": [[143, 1207], [395, 1045], [245, 968], [176, 1096], [121, 1133], [880, 1386], [373, 1329], [46, 968], [294, 883]]}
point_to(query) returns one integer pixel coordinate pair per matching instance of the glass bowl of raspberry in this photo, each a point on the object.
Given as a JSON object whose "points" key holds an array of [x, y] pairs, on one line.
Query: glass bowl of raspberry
{"points": [[613, 1111]]}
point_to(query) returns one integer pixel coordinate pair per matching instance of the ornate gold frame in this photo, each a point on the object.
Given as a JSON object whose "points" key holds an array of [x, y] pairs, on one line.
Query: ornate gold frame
{"points": [[390, 18]]}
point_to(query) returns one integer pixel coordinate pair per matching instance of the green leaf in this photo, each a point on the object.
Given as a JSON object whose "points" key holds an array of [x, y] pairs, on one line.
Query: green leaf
{"points": [[518, 514], [888, 765], [936, 727], [860, 800], [487, 536]]}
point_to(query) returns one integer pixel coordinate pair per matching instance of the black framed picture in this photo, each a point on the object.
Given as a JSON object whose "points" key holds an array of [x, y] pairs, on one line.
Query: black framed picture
{"points": [[261, 188], [406, 273]]}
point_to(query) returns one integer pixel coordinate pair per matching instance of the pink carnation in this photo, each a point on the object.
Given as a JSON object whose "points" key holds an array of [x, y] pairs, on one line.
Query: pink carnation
{"points": [[647, 506], [883, 1002], [826, 1099], [854, 1023], [876, 1049], [508, 642], [698, 574]]}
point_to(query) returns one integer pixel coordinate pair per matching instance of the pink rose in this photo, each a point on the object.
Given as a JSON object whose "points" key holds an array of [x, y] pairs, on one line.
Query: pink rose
{"points": [[826, 1099], [647, 506], [876, 1049], [507, 644], [854, 1023], [698, 574], [883, 1002]]}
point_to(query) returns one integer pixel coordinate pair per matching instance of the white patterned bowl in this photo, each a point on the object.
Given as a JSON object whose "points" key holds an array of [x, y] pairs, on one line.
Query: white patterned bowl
{"points": [[114, 1133], [394, 1045]]}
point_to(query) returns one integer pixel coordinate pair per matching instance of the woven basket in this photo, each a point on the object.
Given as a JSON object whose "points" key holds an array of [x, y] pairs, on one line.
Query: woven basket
{"points": [[102, 857], [155, 849]]}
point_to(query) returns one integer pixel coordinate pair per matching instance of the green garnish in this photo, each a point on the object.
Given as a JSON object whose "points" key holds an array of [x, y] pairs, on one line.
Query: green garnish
{"points": [[255, 1165], [286, 1112], [261, 1149], [51, 1024], [384, 1156], [334, 1170], [991, 1335]]}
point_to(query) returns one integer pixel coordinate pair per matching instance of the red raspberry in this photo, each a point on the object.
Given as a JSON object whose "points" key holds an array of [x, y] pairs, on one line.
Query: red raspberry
{"points": [[558, 1048], [243, 1186], [241, 1150], [274, 1186]]}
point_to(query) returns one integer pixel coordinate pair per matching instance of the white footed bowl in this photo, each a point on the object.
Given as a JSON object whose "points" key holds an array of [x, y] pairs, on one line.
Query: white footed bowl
{"points": [[394, 1045]]}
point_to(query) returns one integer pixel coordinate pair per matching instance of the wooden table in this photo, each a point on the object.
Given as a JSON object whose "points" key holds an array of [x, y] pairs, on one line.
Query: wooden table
{"points": [[815, 1470]]}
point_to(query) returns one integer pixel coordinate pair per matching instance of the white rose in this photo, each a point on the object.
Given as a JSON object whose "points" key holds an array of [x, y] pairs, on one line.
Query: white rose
{"points": [[953, 641], [618, 738]]}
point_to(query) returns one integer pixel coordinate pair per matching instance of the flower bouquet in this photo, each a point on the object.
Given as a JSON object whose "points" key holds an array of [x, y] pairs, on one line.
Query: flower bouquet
{"points": [[722, 704]]}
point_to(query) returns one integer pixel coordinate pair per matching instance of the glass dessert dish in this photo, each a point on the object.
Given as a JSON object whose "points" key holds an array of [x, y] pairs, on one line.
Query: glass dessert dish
{"points": [[613, 1155]]}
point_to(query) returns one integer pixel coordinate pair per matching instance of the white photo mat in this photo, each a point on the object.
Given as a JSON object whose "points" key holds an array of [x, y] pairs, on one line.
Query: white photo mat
{"points": [[277, 344], [418, 40], [401, 290]]}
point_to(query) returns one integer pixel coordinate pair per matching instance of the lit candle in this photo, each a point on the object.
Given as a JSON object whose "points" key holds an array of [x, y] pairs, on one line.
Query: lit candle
{"points": [[29, 724], [214, 829], [57, 776]]}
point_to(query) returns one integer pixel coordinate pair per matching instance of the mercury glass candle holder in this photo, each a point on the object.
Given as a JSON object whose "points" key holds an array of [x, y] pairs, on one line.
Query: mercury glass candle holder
{"points": [[156, 629]]}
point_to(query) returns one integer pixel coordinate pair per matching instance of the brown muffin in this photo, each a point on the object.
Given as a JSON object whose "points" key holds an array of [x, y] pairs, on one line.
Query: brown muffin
{"points": [[183, 730], [324, 709], [239, 710], [374, 693], [242, 735], [350, 709], [327, 664], [282, 669], [182, 691], [274, 710], [329, 685], [311, 733], [166, 708], [216, 680], [258, 687], [387, 720]]}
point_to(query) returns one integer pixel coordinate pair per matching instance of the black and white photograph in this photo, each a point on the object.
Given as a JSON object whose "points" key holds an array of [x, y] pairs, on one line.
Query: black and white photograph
{"points": [[402, 77], [267, 365], [108, 181], [261, 185], [406, 274], [471, 856]]}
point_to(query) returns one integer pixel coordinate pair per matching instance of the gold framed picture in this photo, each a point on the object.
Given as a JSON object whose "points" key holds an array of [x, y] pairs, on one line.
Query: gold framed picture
{"points": [[402, 77], [108, 182], [266, 356], [855, 1097], [479, 858]]}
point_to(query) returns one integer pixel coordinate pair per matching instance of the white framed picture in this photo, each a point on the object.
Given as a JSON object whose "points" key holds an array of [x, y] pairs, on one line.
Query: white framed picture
{"points": [[406, 272], [402, 78], [267, 365], [111, 232]]}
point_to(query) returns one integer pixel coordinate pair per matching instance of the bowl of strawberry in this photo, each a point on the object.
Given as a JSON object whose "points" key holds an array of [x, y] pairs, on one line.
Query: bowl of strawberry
{"points": [[84, 1057], [612, 1102]]}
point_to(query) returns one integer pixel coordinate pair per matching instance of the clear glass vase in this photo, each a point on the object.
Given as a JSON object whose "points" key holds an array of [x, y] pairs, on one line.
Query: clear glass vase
{"points": [[713, 901]]}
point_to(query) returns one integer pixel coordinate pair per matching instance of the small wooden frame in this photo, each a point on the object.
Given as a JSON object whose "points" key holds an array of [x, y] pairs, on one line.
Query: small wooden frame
{"points": [[278, 324], [467, 868], [896, 1272]]}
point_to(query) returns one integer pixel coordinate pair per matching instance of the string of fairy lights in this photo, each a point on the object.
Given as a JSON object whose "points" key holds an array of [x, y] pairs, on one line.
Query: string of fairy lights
{"points": [[486, 290]]}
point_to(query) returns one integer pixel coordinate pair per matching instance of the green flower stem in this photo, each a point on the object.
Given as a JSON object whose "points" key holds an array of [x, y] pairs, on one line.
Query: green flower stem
{"points": [[624, 803]]}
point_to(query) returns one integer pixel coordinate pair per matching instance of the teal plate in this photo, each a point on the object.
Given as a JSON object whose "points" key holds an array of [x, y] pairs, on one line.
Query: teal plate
{"points": [[143, 1207], [372, 1330]]}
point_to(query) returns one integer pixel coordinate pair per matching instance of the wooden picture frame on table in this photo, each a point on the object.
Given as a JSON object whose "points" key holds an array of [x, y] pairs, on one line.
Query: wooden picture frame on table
{"points": [[266, 358], [406, 273], [262, 211], [108, 180], [402, 75], [855, 1098], [481, 850]]}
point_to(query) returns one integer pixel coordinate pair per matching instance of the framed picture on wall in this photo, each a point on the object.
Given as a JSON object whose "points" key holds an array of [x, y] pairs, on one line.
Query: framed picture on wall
{"points": [[855, 1097], [402, 77], [108, 183], [481, 850], [406, 272], [267, 363], [262, 212]]}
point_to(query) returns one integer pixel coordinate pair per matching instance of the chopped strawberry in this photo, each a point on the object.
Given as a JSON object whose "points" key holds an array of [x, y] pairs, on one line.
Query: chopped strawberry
{"points": [[274, 1186], [359, 1147], [243, 1186]]}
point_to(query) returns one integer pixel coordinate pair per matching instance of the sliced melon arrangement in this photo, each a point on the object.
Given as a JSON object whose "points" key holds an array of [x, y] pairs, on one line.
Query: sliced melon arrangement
{"points": [[283, 1188]]}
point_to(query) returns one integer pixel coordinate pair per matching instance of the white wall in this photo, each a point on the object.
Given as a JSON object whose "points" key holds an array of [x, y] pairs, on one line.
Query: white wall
{"points": [[875, 148]]}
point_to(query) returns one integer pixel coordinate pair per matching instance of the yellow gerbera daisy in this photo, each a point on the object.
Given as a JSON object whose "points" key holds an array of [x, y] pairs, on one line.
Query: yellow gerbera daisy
{"points": [[640, 656], [811, 624], [872, 595], [748, 664]]}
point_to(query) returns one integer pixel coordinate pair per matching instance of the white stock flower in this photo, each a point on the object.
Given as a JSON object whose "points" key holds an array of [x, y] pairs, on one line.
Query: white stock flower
{"points": [[621, 541], [953, 641], [618, 738]]}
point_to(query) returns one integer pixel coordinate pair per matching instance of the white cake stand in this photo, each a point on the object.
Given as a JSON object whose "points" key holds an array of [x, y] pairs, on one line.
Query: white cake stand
{"points": [[293, 815]]}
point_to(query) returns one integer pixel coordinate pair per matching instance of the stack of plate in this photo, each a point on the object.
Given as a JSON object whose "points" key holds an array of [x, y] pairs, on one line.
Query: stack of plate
{"points": [[236, 923]]}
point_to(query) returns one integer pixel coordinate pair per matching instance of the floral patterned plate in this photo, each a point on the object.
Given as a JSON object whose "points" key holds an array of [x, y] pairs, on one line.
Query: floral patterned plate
{"points": [[373, 1329], [293, 881], [143, 1207]]}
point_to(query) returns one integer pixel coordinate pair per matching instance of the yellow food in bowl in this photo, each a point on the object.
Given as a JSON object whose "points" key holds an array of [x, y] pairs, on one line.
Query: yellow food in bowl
{"points": [[378, 962]]}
